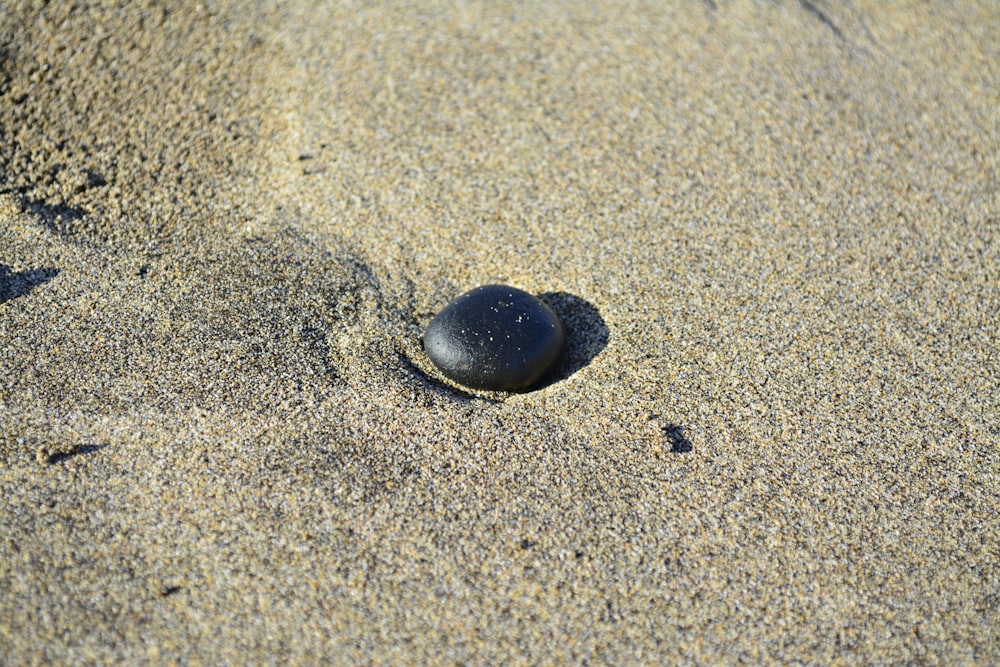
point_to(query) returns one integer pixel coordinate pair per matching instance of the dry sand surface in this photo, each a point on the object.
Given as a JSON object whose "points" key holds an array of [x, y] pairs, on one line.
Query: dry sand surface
{"points": [[772, 230]]}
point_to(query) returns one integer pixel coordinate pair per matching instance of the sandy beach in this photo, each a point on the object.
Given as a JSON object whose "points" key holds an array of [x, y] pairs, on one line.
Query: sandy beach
{"points": [[771, 231]]}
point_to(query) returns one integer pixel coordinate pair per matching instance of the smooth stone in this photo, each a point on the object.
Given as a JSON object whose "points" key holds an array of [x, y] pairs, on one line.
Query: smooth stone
{"points": [[495, 337]]}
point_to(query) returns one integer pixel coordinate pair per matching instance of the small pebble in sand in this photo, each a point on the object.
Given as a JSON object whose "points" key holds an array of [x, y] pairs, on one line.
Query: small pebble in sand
{"points": [[56, 452], [495, 337]]}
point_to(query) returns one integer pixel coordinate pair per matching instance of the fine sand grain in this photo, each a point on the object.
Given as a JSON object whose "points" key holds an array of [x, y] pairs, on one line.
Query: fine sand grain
{"points": [[772, 230]]}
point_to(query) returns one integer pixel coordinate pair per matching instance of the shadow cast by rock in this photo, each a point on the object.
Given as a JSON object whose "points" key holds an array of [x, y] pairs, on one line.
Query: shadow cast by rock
{"points": [[13, 285], [586, 335]]}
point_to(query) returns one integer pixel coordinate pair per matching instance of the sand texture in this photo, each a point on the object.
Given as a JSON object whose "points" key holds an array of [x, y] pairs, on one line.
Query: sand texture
{"points": [[771, 229]]}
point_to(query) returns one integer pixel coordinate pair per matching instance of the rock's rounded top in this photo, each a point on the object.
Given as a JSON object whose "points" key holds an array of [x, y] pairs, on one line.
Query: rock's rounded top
{"points": [[495, 337]]}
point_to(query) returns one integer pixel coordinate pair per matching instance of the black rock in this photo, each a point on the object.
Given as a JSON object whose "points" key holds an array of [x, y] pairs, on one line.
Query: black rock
{"points": [[495, 337]]}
